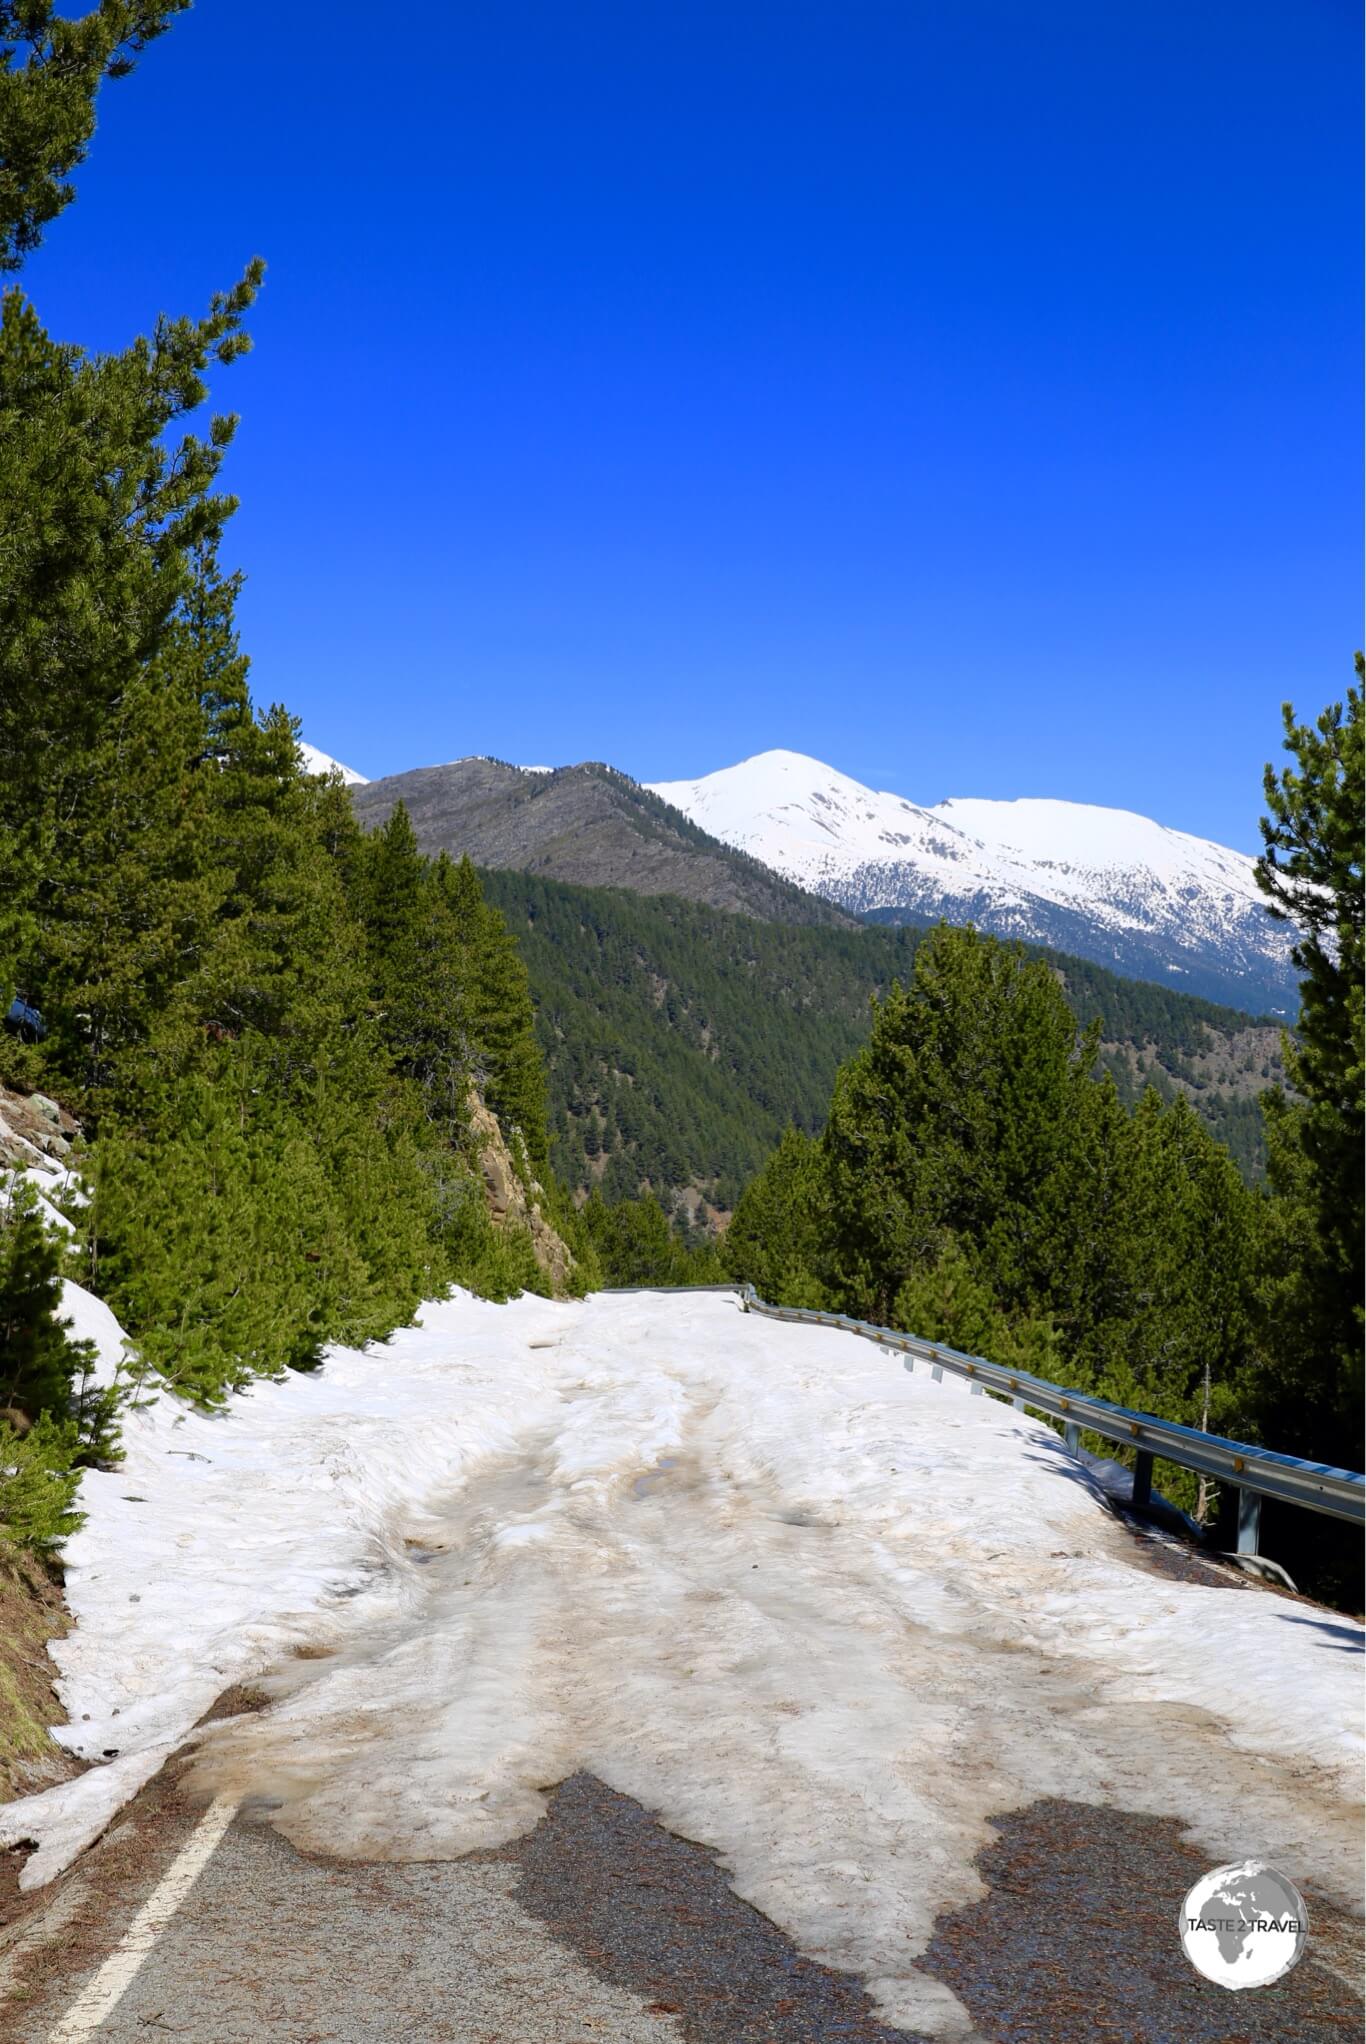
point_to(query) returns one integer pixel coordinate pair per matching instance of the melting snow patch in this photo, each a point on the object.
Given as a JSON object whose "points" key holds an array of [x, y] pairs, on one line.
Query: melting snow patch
{"points": [[817, 1612]]}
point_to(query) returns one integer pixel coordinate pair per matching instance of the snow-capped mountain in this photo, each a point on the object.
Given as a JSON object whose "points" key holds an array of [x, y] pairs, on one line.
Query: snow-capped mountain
{"points": [[316, 762], [1144, 900]]}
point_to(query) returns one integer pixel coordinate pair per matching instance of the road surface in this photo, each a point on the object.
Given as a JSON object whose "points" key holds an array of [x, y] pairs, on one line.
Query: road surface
{"points": [[602, 1928], [640, 1670]]}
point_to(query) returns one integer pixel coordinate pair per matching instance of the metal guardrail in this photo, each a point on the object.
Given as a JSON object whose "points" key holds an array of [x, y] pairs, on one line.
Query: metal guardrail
{"points": [[1254, 1473]]}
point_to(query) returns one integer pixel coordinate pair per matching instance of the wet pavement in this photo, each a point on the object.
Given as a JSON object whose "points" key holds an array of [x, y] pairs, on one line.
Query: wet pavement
{"points": [[271, 1944]]}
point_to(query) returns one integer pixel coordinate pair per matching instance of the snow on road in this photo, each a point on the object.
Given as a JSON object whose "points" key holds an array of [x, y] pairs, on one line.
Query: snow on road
{"points": [[821, 1614]]}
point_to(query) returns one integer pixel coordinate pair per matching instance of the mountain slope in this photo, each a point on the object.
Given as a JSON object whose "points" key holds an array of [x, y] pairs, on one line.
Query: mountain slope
{"points": [[588, 825], [316, 762], [1105, 884], [680, 1041]]}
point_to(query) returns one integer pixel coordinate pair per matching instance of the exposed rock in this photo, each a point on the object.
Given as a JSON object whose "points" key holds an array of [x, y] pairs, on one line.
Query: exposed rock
{"points": [[513, 1204], [33, 1127]]}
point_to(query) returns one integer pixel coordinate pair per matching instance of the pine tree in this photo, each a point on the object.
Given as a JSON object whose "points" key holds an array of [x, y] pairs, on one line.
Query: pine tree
{"points": [[502, 1023], [423, 971], [393, 883], [39, 1477], [1311, 872], [979, 1183], [40, 1366], [47, 101], [134, 883], [951, 1302], [103, 515], [1178, 1340], [959, 1116], [635, 1244], [776, 1236], [53, 1414]]}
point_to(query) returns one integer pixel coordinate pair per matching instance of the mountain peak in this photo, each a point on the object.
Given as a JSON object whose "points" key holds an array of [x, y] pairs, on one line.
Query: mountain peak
{"points": [[316, 762], [1110, 884]]}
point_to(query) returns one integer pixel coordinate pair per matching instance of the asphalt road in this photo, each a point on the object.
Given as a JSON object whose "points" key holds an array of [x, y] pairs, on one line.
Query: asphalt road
{"points": [[272, 1945], [601, 1928]]}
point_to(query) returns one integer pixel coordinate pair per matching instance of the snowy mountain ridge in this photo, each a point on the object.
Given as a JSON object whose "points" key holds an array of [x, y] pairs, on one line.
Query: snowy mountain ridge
{"points": [[1134, 895], [1112, 885], [316, 762]]}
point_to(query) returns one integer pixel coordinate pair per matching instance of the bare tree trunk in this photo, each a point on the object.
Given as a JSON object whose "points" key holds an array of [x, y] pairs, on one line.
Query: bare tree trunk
{"points": [[1205, 1496]]}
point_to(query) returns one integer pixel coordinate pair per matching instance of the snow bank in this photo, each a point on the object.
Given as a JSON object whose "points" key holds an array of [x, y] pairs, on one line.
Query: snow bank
{"points": [[91, 1320], [824, 1615], [50, 1181]]}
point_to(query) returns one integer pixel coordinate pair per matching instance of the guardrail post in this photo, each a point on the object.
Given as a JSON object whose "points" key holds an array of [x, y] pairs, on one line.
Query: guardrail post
{"points": [[937, 1372], [1143, 1477], [1249, 1520], [1071, 1434], [1018, 1404]]}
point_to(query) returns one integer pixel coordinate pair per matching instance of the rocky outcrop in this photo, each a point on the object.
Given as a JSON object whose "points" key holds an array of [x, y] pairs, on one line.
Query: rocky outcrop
{"points": [[33, 1130], [510, 1202]]}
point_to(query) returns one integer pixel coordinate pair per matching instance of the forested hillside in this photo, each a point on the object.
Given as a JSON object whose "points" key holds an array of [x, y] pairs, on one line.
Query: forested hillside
{"points": [[680, 1041]]}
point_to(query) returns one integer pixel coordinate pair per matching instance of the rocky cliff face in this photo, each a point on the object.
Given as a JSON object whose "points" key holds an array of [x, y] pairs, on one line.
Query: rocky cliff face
{"points": [[509, 1201]]}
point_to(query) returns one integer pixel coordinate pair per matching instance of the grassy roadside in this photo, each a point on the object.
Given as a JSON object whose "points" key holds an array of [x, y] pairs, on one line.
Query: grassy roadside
{"points": [[31, 1613]]}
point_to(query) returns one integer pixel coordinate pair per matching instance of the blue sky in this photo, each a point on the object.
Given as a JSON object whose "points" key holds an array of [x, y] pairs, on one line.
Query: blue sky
{"points": [[967, 395]]}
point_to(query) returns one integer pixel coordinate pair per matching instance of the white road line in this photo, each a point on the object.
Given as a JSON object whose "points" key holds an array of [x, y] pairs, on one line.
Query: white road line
{"points": [[121, 1968]]}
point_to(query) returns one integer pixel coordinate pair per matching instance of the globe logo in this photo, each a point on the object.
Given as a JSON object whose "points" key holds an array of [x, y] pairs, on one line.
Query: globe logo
{"points": [[1244, 1926]]}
